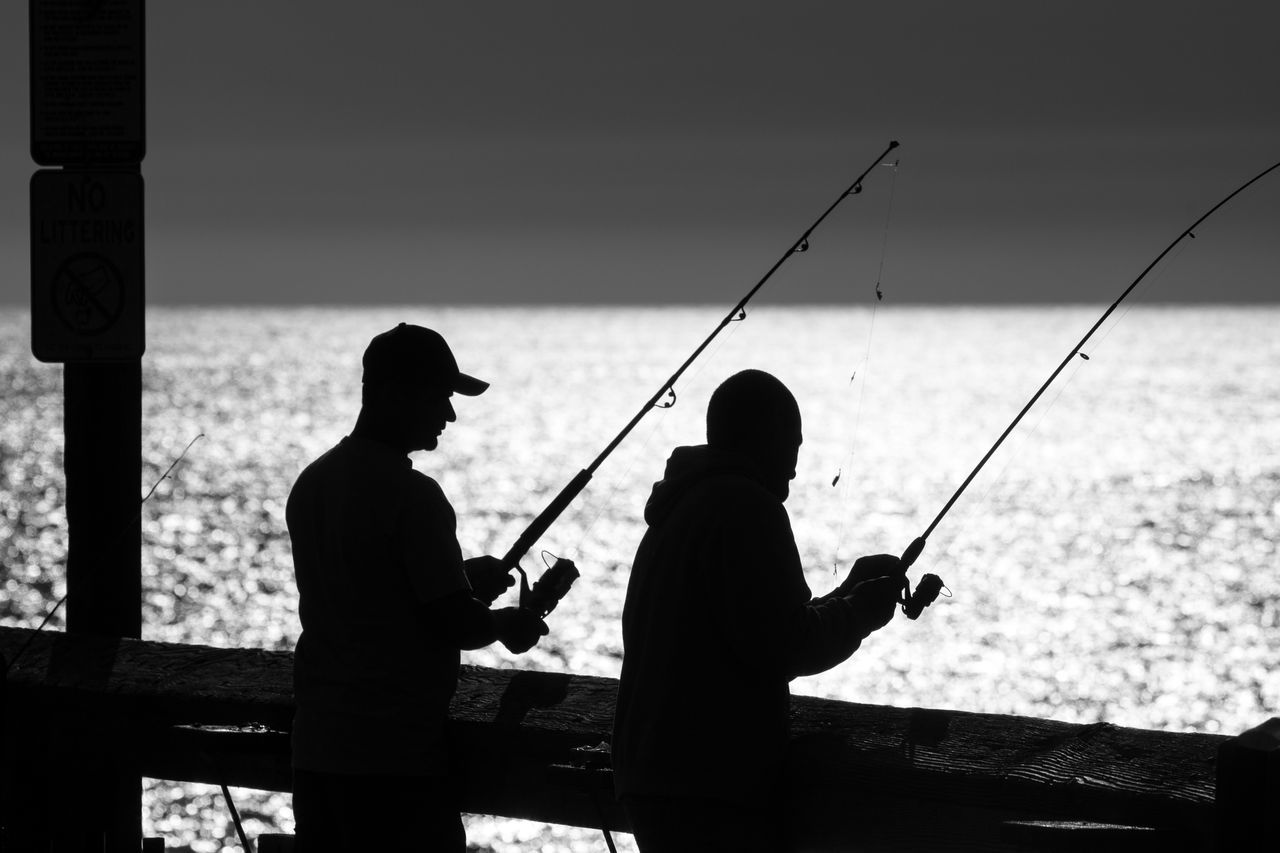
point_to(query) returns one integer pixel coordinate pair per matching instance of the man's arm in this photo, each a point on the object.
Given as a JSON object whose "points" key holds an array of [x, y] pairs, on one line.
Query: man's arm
{"points": [[464, 622], [452, 610], [827, 630], [764, 607]]}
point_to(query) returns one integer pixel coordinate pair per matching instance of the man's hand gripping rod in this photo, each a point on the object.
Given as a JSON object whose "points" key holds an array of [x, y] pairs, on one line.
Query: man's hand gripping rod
{"points": [[544, 595]]}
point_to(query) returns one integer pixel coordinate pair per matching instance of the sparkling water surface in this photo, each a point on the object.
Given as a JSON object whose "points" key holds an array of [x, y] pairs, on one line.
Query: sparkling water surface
{"points": [[1115, 561]]}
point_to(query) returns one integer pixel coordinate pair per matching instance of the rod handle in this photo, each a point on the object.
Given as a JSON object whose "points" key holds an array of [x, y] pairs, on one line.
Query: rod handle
{"points": [[913, 551]]}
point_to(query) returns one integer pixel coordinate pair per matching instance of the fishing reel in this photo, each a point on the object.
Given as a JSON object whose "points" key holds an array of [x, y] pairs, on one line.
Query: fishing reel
{"points": [[547, 590], [913, 604]]}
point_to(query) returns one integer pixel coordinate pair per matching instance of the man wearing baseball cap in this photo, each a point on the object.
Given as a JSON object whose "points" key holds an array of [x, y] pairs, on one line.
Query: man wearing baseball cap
{"points": [[387, 603]]}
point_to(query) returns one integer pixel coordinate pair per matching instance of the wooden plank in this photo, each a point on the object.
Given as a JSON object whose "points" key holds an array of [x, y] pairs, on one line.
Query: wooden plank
{"points": [[903, 777], [935, 775]]}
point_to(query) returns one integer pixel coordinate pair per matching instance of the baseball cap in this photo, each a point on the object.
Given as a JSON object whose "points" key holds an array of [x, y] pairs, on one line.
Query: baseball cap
{"points": [[415, 354]]}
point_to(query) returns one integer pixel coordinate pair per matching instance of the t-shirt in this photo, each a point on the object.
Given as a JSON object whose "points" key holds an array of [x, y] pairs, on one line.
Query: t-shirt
{"points": [[373, 541]]}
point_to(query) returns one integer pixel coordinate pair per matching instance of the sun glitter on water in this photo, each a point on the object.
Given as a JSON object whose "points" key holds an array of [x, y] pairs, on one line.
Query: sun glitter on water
{"points": [[1116, 561]]}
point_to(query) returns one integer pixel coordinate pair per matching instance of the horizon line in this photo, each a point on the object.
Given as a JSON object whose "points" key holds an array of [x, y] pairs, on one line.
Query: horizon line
{"points": [[583, 303]]}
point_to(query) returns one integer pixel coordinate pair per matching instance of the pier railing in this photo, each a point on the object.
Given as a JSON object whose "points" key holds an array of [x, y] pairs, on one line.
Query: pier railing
{"points": [[532, 745]]}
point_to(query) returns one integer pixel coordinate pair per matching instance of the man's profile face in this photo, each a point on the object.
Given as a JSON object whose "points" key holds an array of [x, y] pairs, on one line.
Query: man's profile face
{"points": [[780, 464], [776, 456], [428, 412]]}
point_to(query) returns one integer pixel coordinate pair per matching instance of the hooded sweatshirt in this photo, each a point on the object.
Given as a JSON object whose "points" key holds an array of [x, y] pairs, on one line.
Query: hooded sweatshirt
{"points": [[718, 619]]}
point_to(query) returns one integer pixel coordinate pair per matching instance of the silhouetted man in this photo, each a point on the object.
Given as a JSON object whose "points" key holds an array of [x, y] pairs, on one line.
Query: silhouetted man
{"points": [[718, 620], [386, 604]]}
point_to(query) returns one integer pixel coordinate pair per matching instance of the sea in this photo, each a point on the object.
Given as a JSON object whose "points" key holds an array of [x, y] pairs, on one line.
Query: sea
{"points": [[1115, 560]]}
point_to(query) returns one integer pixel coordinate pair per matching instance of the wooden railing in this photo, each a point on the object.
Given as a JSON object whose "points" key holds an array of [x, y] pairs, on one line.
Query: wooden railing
{"points": [[859, 776]]}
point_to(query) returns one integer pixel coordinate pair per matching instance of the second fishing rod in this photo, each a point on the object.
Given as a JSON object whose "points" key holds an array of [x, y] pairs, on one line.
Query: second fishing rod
{"points": [[931, 585], [543, 596]]}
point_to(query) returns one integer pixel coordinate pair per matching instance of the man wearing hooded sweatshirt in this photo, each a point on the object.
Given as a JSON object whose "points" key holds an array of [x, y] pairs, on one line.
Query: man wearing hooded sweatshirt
{"points": [[718, 619]]}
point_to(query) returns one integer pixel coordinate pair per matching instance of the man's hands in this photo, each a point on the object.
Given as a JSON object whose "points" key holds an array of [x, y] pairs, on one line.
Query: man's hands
{"points": [[867, 568], [488, 577], [873, 588], [518, 628], [874, 602]]}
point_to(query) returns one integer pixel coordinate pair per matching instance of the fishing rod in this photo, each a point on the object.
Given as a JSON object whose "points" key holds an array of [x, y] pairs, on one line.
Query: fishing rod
{"points": [[555, 582], [120, 534], [931, 585]]}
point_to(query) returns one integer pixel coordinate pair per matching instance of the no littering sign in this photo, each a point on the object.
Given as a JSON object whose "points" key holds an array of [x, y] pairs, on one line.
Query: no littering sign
{"points": [[86, 266]]}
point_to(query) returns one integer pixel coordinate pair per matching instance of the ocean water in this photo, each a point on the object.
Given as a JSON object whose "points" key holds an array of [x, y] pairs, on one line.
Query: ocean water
{"points": [[1115, 561]]}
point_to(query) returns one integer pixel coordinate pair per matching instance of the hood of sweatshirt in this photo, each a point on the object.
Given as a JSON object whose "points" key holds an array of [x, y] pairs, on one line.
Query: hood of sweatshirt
{"points": [[688, 466]]}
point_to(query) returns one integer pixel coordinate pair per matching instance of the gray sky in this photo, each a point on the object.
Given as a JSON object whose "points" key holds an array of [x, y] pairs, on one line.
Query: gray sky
{"points": [[658, 152]]}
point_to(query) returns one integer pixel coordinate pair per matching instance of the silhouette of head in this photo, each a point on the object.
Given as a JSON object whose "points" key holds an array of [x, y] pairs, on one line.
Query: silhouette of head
{"points": [[410, 375], [754, 415]]}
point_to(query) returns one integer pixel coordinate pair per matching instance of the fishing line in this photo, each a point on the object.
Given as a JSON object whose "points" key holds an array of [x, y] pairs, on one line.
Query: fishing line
{"points": [[884, 240], [865, 367], [691, 382], [663, 398], [639, 452]]}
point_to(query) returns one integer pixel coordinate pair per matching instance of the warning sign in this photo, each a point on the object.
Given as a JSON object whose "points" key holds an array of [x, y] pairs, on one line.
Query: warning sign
{"points": [[87, 79], [86, 266]]}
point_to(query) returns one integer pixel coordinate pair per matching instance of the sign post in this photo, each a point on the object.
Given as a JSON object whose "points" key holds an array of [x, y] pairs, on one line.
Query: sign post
{"points": [[87, 120]]}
